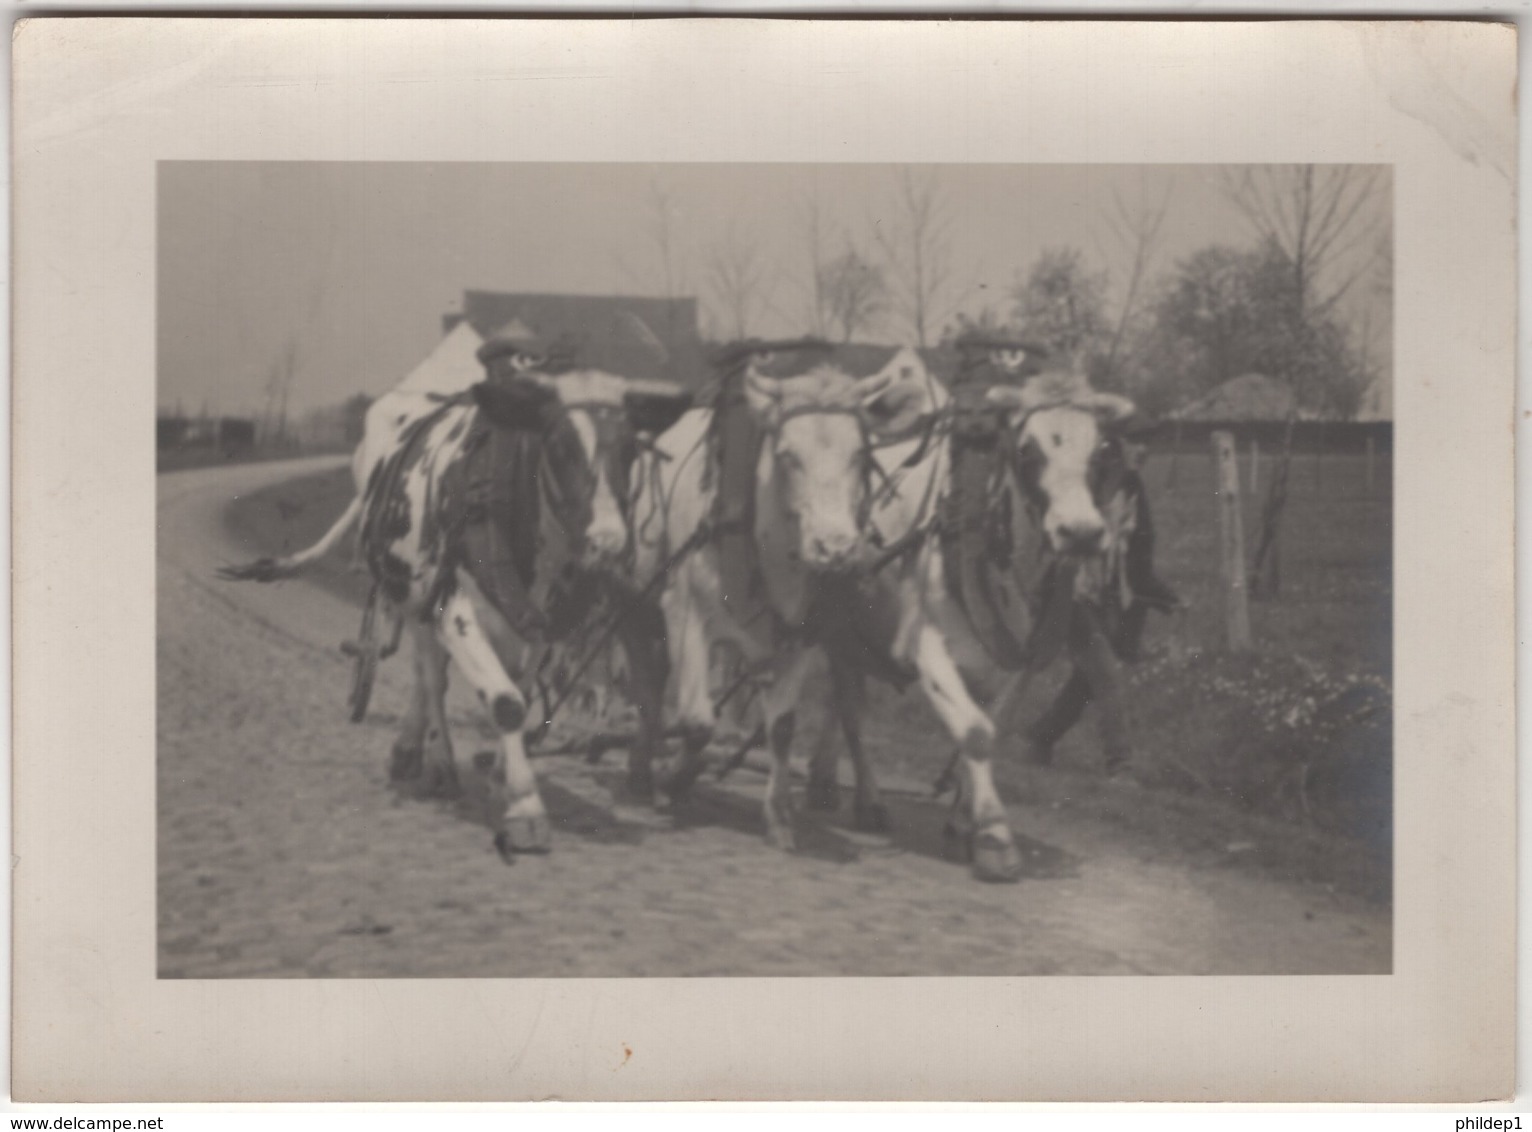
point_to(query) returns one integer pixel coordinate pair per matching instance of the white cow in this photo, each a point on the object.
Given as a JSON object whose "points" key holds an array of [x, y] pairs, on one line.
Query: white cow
{"points": [[813, 485]]}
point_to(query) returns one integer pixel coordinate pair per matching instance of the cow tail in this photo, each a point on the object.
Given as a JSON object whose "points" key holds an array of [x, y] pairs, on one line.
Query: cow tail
{"points": [[273, 569]]}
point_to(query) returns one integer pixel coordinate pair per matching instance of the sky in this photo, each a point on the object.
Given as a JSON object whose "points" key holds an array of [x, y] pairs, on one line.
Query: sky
{"points": [[352, 265]]}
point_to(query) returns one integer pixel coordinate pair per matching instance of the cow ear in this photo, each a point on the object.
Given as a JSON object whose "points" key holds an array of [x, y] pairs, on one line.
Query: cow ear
{"points": [[762, 397], [655, 412], [892, 401], [518, 403]]}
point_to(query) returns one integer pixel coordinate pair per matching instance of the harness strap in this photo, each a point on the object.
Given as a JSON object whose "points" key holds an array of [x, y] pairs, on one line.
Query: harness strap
{"points": [[380, 502], [694, 542], [476, 537], [994, 603]]}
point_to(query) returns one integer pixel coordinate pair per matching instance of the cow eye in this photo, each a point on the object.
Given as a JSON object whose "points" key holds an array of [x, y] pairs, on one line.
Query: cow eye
{"points": [[1029, 455]]}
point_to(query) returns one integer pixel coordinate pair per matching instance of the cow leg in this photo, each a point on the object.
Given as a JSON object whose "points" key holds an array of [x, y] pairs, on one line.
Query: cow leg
{"points": [[393, 617], [983, 823], [643, 640], [779, 701], [520, 820], [686, 637], [868, 812], [1103, 673], [847, 703], [438, 772], [1065, 711], [404, 762], [823, 791]]}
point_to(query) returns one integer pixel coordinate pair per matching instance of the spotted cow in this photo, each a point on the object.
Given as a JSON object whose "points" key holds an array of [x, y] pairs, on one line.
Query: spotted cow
{"points": [[486, 517], [950, 614]]}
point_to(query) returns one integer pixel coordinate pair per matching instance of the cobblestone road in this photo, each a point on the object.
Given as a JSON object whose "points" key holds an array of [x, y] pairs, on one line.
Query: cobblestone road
{"points": [[284, 853]]}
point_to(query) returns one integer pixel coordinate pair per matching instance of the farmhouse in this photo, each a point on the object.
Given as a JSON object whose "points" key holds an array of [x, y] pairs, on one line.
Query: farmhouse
{"points": [[1249, 397], [635, 336]]}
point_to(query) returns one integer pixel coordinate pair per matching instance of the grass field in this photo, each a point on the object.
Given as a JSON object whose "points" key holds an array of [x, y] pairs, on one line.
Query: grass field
{"points": [[1282, 757]]}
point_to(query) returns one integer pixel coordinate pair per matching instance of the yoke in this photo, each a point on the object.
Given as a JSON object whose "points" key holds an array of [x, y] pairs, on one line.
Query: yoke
{"points": [[1009, 588]]}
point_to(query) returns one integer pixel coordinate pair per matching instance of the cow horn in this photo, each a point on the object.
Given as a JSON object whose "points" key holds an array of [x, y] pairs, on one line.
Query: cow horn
{"points": [[650, 387], [868, 389], [760, 386], [1007, 396]]}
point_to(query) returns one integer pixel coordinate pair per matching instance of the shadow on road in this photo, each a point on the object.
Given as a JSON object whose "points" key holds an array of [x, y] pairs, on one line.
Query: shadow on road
{"points": [[580, 805]]}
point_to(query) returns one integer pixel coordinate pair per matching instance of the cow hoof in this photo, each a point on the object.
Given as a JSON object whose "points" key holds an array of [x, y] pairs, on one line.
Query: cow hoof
{"points": [[677, 787], [957, 843], [823, 796], [637, 789], [872, 818], [524, 835], [781, 821], [404, 763], [440, 781], [995, 861], [1126, 775], [780, 836]]}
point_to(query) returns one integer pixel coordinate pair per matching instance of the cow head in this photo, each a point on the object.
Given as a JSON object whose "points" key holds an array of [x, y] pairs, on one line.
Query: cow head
{"points": [[816, 460], [609, 414], [1065, 456]]}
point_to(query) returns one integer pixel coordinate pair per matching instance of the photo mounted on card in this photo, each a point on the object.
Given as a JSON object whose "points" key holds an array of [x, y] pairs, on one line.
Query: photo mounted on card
{"points": [[625, 567]]}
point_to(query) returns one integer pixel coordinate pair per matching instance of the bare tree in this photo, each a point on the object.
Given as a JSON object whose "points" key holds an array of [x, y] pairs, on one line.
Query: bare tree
{"points": [[666, 263], [1136, 228], [1061, 303], [816, 237], [1375, 333], [279, 384], [667, 244], [740, 280], [855, 291], [1316, 215], [916, 243]]}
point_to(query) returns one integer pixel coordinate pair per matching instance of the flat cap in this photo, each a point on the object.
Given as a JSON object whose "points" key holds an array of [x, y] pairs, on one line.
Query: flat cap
{"points": [[735, 353]]}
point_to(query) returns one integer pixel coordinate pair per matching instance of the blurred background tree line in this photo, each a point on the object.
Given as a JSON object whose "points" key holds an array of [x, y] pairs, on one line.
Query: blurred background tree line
{"points": [[1169, 333], [1303, 299], [1303, 295]]}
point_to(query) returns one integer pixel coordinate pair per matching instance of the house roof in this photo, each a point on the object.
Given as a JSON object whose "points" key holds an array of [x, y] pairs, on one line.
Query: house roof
{"points": [[1248, 397], [633, 336], [450, 367]]}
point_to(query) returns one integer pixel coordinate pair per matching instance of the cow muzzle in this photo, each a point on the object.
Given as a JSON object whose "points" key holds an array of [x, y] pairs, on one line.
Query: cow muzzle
{"points": [[1078, 535], [603, 548], [831, 552]]}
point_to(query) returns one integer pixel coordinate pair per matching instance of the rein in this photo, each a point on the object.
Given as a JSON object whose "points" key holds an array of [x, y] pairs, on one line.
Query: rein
{"points": [[603, 414], [868, 462], [928, 427]]}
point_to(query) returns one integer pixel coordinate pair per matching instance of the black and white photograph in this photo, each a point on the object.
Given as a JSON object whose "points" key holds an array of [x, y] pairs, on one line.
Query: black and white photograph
{"points": [[764, 560], [741, 569]]}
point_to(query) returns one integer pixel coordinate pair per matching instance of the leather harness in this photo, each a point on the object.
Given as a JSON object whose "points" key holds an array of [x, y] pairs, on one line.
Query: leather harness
{"points": [[485, 515]]}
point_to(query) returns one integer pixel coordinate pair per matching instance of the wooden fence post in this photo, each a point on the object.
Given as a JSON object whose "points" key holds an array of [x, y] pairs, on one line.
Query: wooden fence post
{"points": [[1232, 545], [1266, 571]]}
